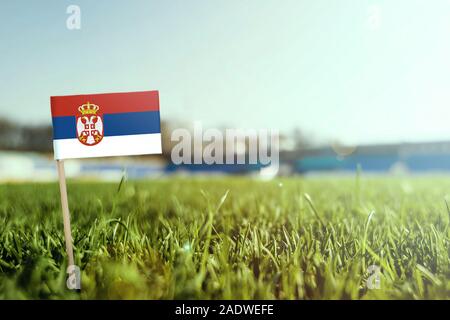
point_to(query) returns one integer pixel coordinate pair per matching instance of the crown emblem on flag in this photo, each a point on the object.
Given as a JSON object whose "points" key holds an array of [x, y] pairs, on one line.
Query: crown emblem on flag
{"points": [[88, 108]]}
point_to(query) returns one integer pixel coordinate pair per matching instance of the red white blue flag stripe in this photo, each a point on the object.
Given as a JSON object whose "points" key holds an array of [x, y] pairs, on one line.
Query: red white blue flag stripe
{"points": [[110, 124]]}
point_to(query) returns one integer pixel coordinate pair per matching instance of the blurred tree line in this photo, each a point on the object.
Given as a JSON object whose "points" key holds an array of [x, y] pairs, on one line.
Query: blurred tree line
{"points": [[14, 136]]}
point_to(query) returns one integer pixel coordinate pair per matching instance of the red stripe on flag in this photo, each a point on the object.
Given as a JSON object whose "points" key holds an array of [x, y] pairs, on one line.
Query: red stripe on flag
{"points": [[108, 102]]}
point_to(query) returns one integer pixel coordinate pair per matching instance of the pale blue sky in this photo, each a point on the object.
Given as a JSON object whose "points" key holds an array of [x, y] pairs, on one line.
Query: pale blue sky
{"points": [[315, 64]]}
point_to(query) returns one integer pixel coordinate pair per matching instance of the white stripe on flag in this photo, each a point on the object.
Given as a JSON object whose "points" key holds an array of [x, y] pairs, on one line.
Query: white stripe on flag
{"points": [[109, 146]]}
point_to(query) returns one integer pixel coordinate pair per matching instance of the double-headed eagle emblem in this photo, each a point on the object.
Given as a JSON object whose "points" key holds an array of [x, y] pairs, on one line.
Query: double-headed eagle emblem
{"points": [[89, 124]]}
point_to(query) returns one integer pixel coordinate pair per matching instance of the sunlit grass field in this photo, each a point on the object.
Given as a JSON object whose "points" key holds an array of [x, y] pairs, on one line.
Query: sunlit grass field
{"points": [[229, 238]]}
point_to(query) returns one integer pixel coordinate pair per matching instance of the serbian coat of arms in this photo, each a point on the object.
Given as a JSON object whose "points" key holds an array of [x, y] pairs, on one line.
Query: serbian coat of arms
{"points": [[89, 124]]}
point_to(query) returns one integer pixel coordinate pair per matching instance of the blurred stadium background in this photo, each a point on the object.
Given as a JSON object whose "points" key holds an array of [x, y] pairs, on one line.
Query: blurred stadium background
{"points": [[368, 73], [26, 154]]}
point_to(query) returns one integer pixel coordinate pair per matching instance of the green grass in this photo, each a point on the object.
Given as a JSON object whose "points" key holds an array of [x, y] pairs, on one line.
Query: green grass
{"points": [[229, 238]]}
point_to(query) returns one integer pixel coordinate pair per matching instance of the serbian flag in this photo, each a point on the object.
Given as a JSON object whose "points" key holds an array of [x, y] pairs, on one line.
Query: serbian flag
{"points": [[103, 125]]}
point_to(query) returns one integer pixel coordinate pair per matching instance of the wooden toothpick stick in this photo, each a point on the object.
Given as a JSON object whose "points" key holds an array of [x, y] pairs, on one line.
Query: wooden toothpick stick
{"points": [[65, 211]]}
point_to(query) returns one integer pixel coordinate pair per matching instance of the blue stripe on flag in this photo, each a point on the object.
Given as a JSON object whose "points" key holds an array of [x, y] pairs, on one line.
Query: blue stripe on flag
{"points": [[114, 124], [121, 124], [64, 127]]}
